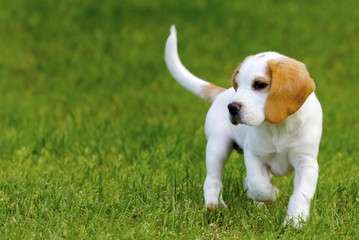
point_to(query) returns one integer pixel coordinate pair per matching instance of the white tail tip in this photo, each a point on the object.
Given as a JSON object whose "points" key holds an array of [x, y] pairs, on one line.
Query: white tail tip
{"points": [[173, 29]]}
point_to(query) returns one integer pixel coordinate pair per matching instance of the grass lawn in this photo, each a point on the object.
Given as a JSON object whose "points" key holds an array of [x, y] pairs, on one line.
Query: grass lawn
{"points": [[97, 141]]}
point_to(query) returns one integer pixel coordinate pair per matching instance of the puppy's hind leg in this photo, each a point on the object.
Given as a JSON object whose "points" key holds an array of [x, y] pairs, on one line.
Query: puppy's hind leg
{"points": [[217, 152]]}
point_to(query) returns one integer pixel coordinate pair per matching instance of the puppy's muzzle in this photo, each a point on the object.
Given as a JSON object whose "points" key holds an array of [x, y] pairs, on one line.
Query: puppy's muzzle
{"points": [[234, 109]]}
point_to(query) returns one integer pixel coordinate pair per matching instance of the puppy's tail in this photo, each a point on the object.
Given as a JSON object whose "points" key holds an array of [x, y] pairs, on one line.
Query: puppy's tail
{"points": [[201, 88]]}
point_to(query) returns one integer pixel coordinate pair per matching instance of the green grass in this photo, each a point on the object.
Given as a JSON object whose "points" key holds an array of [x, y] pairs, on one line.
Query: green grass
{"points": [[97, 141]]}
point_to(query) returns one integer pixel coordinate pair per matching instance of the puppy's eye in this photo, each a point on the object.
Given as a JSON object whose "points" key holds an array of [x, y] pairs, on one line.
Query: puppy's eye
{"points": [[259, 85]]}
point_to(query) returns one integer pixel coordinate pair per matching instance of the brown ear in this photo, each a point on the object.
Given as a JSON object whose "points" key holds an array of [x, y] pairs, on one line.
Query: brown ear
{"points": [[291, 86], [234, 83]]}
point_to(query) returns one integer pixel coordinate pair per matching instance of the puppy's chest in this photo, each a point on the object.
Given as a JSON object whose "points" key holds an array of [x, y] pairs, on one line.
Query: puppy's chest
{"points": [[278, 163], [273, 149], [276, 158]]}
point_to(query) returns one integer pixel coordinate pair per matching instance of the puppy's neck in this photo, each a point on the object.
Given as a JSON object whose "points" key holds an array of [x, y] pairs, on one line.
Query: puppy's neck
{"points": [[289, 126]]}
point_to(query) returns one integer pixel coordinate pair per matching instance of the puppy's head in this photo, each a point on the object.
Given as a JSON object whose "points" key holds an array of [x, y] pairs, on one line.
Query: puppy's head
{"points": [[270, 87]]}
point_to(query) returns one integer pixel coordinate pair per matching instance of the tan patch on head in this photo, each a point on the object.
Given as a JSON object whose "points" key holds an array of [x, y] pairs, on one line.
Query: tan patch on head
{"points": [[263, 55], [291, 85], [210, 92], [234, 82]]}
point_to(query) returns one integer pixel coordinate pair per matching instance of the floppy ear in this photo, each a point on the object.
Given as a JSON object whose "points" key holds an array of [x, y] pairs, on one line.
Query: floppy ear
{"points": [[234, 83], [291, 86]]}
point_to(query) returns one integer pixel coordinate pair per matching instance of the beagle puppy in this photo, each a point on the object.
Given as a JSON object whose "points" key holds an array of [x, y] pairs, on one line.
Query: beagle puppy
{"points": [[271, 114]]}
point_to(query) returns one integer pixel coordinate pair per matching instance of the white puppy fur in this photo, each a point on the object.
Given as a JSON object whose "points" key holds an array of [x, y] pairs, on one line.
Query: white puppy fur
{"points": [[272, 114]]}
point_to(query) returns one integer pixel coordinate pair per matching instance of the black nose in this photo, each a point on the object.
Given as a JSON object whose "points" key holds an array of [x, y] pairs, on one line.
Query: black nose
{"points": [[234, 107]]}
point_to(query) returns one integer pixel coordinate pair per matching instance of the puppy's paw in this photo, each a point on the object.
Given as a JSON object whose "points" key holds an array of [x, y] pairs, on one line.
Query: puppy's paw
{"points": [[261, 193], [213, 206], [296, 221], [298, 210]]}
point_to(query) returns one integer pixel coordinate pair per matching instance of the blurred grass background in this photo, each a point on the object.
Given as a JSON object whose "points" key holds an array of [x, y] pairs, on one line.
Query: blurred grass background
{"points": [[98, 141]]}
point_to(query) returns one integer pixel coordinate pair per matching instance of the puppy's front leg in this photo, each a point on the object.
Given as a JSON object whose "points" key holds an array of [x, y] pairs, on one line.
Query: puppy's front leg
{"points": [[217, 152], [257, 182], [305, 182]]}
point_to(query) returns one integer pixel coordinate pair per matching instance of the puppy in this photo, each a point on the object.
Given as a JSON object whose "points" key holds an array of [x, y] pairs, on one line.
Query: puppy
{"points": [[272, 114]]}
